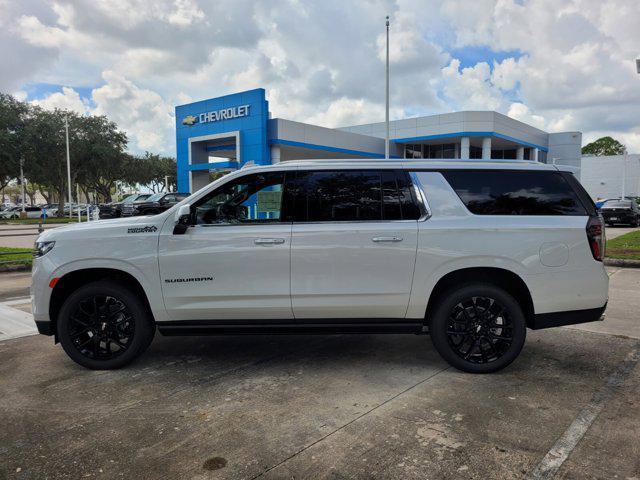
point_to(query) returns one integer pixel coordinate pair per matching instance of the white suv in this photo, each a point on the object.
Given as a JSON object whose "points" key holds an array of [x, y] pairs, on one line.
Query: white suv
{"points": [[472, 253]]}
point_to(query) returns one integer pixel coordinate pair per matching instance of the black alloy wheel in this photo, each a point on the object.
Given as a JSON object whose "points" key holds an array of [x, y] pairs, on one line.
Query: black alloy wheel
{"points": [[478, 328], [103, 325]]}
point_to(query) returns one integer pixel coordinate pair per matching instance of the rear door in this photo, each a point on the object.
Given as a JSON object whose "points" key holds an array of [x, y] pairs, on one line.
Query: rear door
{"points": [[353, 245]]}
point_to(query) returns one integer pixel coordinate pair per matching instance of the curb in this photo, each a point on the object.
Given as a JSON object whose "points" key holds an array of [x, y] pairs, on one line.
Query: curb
{"points": [[15, 268], [622, 262]]}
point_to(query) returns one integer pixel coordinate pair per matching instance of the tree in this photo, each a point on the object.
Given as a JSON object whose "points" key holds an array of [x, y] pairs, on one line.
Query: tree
{"points": [[151, 170], [99, 155], [12, 117], [44, 149], [604, 146]]}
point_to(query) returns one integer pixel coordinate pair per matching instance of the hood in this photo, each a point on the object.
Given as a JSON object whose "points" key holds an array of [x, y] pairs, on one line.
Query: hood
{"points": [[99, 227]]}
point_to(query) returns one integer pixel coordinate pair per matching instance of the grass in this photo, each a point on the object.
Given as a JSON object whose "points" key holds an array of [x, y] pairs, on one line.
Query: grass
{"points": [[22, 256], [626, 246], [35, 221]]}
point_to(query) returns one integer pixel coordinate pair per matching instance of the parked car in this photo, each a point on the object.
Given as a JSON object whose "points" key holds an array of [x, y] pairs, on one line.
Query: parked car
{"points": [[156, 203], [32, 212], [471, 253], [600, 203], [624, 212], [117, 209]]}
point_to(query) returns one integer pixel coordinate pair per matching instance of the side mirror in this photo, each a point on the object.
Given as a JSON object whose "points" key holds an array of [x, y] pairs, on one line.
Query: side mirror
{"points": [[183, 219]]}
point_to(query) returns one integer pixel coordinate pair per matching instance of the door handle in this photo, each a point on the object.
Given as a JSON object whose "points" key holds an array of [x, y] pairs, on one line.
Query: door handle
{"points": [[386, 239], [268, 241]]}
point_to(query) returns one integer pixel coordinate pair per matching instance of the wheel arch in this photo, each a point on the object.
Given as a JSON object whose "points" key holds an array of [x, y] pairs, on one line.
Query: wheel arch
{"points": [[509, 281], [71, 281]]}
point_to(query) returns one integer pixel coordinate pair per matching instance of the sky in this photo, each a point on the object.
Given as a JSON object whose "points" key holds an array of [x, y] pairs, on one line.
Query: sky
{"points": [[560, 65]]}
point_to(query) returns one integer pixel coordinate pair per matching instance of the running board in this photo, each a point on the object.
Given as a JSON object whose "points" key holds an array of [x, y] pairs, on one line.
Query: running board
{"points": [[205, 327]]}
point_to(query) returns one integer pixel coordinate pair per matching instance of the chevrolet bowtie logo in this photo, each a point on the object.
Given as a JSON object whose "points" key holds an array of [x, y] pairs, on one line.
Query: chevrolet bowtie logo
{"points": [[189, 120]]}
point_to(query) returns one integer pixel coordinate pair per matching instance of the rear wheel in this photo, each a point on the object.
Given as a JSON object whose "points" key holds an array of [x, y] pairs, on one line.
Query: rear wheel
{"points": [[478, 328], [104, 326]]}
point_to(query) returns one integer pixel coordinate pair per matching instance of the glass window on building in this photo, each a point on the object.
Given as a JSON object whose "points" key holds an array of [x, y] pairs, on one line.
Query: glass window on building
{"points": [[413, 151], [435, 151], [510, 154], [449, 150], [475, 152]]}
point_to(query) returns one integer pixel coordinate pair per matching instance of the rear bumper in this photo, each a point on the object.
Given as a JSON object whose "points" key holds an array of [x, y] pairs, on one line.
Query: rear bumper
{"points": [[571, 317], [619, 218]]}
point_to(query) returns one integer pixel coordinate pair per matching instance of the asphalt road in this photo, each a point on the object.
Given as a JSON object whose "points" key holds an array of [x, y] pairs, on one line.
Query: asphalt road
{"points": [[360, 406]]}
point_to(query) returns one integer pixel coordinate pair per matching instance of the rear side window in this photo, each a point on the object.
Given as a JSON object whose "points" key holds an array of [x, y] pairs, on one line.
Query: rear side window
{"points": [[496, 192], [350, 195]]}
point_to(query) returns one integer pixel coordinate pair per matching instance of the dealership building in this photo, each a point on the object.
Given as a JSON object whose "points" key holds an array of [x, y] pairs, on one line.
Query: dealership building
{"points": [[225, 133]]}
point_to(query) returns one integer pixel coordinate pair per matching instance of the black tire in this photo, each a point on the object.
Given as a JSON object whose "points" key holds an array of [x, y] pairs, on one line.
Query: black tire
{"points": [[478, 328], [104, 326]]}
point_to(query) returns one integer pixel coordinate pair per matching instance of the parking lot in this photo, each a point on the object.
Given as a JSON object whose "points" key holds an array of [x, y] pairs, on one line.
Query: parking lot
{"points": [[361, 406]]}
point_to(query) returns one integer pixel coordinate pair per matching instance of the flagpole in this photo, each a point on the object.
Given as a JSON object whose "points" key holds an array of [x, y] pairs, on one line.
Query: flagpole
{"points": [[386, 140]]}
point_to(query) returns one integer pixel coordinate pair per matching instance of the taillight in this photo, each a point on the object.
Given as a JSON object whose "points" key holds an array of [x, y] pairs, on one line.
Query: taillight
{"points": [[595, 237]]}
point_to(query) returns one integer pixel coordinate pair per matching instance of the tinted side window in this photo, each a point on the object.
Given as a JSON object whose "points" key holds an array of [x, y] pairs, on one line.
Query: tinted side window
{"points": [[343, 195], [487, 192], [255, 198], [350, 195]]}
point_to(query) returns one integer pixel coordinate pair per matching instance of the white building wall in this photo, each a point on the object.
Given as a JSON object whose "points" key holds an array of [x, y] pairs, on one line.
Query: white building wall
{"points": [[602, 176], [565, 148]]}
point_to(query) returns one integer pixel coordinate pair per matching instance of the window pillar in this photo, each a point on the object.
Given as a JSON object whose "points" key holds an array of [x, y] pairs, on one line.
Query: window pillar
{"points": [[464, 148], [486, 148], [520, 153]]}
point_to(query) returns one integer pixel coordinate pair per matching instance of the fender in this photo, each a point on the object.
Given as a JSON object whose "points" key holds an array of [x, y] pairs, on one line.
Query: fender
{"points": [[151, 286], [423, 287]]}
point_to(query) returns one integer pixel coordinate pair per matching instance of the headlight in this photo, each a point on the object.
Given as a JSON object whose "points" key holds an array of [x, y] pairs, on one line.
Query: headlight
{"points": [[42, 248]]}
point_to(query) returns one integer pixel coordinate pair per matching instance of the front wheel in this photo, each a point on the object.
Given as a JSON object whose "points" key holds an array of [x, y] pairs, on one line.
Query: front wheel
{"points": [[104, 326], [478, 328]]}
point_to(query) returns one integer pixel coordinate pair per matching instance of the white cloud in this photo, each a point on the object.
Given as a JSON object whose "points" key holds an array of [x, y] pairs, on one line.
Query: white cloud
{"points": [[471, 88], [68, 99], [142, 113], [521, 112], [569, 63]]}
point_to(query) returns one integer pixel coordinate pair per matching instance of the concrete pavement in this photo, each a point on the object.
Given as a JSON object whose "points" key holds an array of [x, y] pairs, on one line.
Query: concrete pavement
{"points": [[361, 406], [613, 232]]}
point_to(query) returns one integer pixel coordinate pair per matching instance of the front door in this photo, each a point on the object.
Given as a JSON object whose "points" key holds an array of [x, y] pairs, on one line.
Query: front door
{"points": [[353, 245], [234, 263]]}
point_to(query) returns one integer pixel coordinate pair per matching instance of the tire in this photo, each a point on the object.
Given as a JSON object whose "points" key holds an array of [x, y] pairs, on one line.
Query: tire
{"points": [[120, 332], [469, 350]]}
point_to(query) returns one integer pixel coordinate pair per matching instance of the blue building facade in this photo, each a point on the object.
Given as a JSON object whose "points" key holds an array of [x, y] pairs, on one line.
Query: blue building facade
{"points": [[220, 133]]}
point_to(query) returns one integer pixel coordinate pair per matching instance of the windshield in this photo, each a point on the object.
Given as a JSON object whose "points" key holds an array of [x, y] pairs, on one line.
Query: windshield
{"points": [[130, 198], [155, 197], [617, 204]]}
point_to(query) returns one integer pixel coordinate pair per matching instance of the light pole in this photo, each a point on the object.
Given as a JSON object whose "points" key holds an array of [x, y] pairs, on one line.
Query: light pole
{"points": [[22, 181], [386, 112], [66, 130], [624, 175]]}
